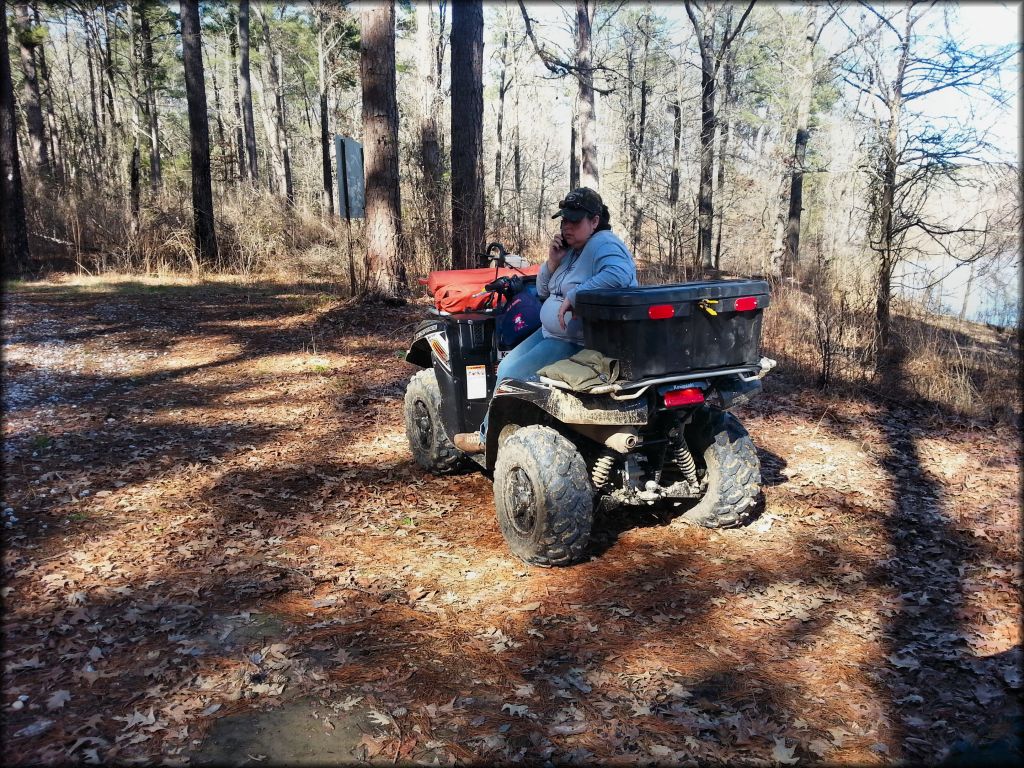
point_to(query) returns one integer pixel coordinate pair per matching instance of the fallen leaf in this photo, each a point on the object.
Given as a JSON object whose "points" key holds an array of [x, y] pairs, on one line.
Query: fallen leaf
{"points": [[379, 718], [57, 700], [783, 754]]}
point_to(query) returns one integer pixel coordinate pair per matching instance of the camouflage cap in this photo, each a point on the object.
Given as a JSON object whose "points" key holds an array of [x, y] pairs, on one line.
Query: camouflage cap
{"points": [[579, 203]]}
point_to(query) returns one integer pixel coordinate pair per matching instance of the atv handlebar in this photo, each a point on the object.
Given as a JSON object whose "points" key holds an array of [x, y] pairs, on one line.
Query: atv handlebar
{"points": [[485, 258]]}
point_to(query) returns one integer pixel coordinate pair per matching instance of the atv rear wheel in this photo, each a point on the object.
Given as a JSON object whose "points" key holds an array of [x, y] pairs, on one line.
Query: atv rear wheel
{"points": [[430, 444], [543, 497], [733, 472]]}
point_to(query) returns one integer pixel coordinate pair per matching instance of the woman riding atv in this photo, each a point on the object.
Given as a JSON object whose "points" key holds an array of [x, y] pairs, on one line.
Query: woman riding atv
{"points": [[586, 254]]}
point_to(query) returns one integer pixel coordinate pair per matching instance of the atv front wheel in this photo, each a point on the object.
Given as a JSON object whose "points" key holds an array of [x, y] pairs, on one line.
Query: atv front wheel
{"points": [[543, 497], [430, 445], [732, 470]]}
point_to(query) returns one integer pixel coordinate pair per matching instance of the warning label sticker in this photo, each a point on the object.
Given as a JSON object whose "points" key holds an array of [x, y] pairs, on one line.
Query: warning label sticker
{"points": [[476, 382]]}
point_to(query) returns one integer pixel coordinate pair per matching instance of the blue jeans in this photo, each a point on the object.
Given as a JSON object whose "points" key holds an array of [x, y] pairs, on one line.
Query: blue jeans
{"points": [[532, 354]]}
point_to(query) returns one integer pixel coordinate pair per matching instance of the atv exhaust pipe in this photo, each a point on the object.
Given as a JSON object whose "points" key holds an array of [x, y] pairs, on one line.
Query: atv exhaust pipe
{"points": [[619, 439]]}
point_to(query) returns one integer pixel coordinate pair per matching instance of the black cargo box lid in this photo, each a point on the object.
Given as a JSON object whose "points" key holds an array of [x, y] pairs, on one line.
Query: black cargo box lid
{"points": [[622, 303], [678, 292]]}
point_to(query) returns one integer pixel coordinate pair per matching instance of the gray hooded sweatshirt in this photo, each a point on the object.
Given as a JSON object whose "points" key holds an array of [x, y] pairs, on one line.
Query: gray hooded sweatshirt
{"points": [[604, 262]]}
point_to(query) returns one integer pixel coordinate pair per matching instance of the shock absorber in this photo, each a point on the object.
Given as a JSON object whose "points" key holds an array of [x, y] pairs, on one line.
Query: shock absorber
{"points": [[603, 467], [684, 460]]}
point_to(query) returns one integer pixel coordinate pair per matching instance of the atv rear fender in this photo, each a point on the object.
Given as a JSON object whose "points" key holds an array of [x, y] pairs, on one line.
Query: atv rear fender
{"points": [[528, 402], [419, 351]]}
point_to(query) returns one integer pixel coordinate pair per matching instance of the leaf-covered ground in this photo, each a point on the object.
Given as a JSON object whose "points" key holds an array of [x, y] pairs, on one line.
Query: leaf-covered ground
{"points": [[217, 549]]}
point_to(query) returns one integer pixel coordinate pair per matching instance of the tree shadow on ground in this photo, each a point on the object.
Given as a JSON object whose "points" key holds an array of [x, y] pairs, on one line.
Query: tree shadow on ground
{"points": [[688, 607]]}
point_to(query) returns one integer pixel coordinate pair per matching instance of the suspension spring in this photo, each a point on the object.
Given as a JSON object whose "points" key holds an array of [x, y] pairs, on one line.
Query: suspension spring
{"points": [[684, 460], [603, 467]]}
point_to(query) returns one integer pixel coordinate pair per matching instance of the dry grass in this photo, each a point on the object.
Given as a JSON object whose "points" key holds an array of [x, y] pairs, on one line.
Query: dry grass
{"points": [[826, 339]]}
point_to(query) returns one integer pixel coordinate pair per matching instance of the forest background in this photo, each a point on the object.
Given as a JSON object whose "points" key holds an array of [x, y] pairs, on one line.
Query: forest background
{"points": [[799, 142]]}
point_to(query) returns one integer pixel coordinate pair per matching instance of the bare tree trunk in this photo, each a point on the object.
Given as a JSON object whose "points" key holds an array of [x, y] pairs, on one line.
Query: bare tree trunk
{"points": [[705, 205], [218, 116], [95, 102], [636, 134], [543, 187], [574, 157], [517, 174], [432, 189], [108, 72], [199, 133], [78, 133], [52, 129], [148, 75], [589, 175], [278, 135], [238, 132], [245, 85], [791, 252], [967, 292], [272, 156], [728, 81], [32, 102], [673, 184], [502, 90], [887, 260], [385, 272], [467, 132], [327, 194], [14, 249], [886, 247], [134, 193], [711, 58]]}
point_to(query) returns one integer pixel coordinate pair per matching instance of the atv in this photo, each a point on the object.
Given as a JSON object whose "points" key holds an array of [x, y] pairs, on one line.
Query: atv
{"points": [[660, 432]]}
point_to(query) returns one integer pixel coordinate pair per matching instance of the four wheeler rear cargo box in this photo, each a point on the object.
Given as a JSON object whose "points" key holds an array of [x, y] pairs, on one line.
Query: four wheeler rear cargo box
{"points": [[666, 329]]}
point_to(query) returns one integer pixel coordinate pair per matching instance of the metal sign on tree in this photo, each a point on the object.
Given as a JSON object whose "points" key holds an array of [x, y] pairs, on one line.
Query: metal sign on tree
{"points": [[351, 186]]}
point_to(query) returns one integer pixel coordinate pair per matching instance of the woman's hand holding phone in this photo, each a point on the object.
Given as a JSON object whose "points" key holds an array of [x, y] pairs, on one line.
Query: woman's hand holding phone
{"points": [[556, 251]]}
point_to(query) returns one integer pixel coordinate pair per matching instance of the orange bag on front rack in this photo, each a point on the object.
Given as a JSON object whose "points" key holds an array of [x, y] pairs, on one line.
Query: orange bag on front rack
{"points": [[454, 290]]}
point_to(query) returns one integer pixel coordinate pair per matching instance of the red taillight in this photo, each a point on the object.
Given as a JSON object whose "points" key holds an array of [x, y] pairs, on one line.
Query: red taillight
{"points": [[689, 396], [746, 303], [660, 311]]}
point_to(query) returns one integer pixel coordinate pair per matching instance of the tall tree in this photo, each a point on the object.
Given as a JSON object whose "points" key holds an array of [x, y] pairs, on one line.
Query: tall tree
{"points": [[274, 119], [467, 132], [238, 134], [713, 45], [322, 52], [913, 153], [52, 131], [199, 133], [149, 85], [432, 192], [805, 84], [385, 272], [724, 131], [589, 175], [13, 232], [810, 71], [504, 83], [245, 88], [29, 38], [134, 170], [581, 66]]}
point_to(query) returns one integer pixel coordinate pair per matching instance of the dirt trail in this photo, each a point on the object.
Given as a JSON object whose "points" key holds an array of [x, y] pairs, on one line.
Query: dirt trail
{"points": [[218, 551]]}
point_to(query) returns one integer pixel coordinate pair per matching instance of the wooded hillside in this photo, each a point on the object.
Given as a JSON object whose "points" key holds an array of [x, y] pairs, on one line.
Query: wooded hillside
{"points": [[787, 141]]}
